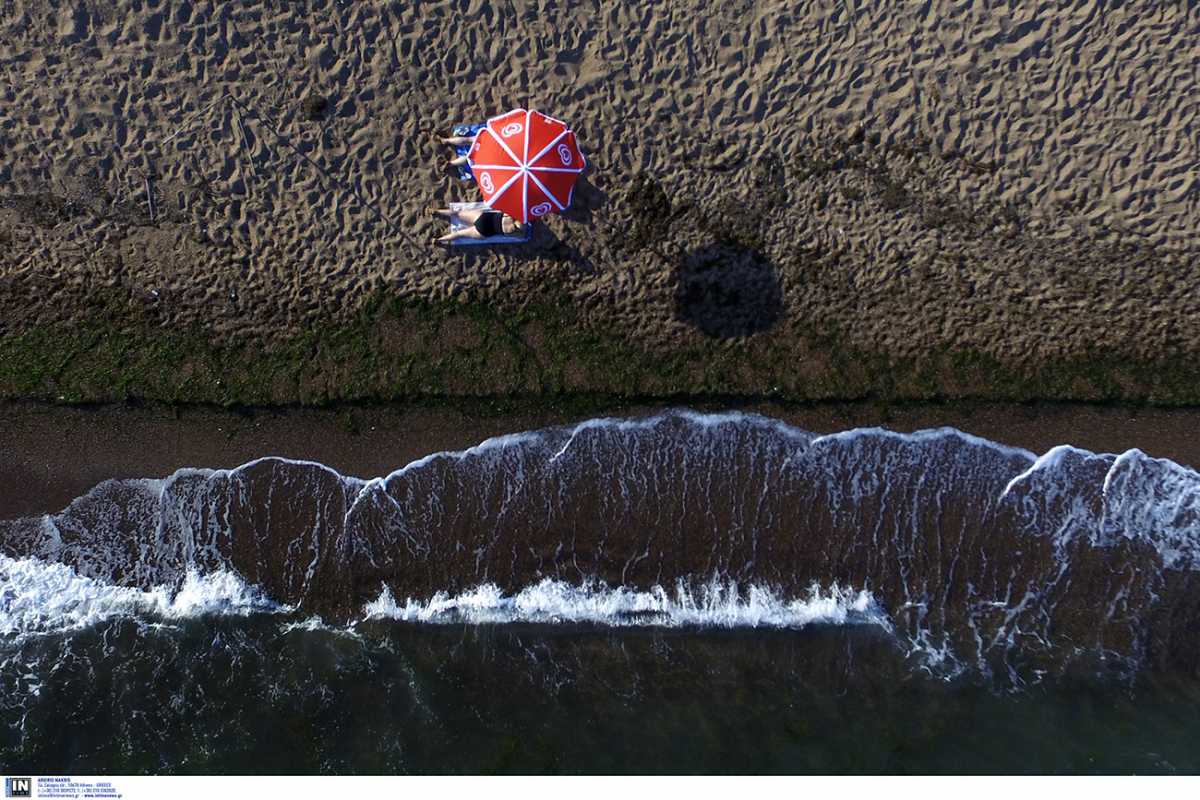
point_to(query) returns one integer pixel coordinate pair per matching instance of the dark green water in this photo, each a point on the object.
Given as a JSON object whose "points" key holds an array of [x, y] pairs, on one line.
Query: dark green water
{"points": [[249, 695]]}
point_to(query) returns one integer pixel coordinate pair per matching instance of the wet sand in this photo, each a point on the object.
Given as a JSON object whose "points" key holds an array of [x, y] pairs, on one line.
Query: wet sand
{"points": [[51, 455]]}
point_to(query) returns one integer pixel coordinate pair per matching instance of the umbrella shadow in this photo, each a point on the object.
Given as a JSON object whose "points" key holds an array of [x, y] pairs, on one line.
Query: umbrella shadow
{"points": [[727, 291]]}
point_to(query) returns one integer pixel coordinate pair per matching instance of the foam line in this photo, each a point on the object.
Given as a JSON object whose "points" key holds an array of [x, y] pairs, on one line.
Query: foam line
{"points": [[715, 604], [40, 597]]}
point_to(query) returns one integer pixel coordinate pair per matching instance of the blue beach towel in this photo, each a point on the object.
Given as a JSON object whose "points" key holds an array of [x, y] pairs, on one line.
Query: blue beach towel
{"points": [[464, 171], [456, 224]]}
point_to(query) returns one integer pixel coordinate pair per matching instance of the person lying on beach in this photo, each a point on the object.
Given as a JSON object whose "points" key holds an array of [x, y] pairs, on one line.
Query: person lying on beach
{"points": [[461, 138], [480, 223], [461, 145]]}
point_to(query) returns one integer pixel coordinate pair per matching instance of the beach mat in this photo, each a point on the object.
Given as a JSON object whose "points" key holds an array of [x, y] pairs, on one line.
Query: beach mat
{"points": [[456, 225]]}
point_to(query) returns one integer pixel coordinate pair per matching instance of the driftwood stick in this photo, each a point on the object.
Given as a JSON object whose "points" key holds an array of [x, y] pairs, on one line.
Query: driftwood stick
{"points": [[149, 197]]}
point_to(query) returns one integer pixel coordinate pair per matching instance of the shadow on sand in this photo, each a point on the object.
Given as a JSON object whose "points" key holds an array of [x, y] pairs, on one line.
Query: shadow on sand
{"points": [[727, 291]]}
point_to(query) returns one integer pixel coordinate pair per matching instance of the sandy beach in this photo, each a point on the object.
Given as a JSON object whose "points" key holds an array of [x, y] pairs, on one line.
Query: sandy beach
{"points": [[1014, 182]]}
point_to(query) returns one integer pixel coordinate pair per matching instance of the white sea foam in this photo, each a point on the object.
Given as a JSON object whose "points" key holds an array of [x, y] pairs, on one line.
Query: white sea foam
{"points": [[713, 605], [41, 597], [1142, 498], [921, 436], [1049, 461], [1155, 500]]}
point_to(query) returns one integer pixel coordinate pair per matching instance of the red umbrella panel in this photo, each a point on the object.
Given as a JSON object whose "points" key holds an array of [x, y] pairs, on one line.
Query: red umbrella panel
{"points": [[526, 164]]}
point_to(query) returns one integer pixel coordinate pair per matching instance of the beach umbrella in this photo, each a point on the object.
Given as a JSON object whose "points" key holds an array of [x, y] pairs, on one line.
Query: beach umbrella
{"points": [[526, 164]]}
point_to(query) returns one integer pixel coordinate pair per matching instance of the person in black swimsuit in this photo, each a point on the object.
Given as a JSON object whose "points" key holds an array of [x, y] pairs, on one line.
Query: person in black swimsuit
{"points": [[481, 223], [489, 223]]}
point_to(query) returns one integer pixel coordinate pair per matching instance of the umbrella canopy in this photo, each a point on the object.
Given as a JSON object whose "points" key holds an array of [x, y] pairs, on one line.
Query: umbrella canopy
{"points": [[526, 164]]}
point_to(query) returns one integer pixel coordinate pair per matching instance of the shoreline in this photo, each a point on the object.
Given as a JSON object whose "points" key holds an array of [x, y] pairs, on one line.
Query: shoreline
{"points": [[49, 455]]}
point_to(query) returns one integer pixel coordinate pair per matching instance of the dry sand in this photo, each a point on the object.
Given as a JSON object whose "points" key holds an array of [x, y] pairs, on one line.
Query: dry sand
{"points": [[1020, 179]]}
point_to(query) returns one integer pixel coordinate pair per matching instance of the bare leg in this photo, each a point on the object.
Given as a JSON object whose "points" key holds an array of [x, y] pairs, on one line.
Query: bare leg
{"points": [[458, 162], [455, 141], [469, 215], [462, 233]]}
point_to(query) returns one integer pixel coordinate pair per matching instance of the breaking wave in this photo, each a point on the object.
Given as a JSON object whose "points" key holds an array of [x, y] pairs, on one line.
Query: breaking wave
{"points": [[984, 556], [40, 597], [713, 605]]}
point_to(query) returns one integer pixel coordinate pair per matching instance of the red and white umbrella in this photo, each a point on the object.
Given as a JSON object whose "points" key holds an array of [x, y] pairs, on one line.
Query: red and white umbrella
{"points": [[526, 164]]}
